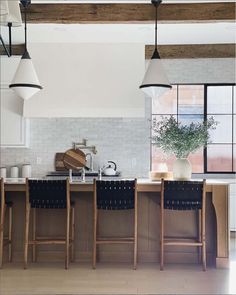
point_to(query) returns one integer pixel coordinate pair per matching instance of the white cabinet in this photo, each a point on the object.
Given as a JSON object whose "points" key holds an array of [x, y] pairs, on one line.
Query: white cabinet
{"points": [[14, 128]]}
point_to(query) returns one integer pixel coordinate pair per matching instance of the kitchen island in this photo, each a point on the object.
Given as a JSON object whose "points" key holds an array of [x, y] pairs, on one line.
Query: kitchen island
{"points": [[115, 223]]}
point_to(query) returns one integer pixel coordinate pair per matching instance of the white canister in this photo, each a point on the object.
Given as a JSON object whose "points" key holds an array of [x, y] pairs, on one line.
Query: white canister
{"points": [[14, 172], [26, 171], [3, 172]]}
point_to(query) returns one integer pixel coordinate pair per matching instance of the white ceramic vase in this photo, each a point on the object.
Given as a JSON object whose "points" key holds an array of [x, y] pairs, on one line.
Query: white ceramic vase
{"points": [[182, 169]]}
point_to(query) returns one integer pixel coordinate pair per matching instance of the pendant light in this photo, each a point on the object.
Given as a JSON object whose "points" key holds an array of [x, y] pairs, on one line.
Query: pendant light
{"points": [[25, 82], [10, 16], [155, 81]]}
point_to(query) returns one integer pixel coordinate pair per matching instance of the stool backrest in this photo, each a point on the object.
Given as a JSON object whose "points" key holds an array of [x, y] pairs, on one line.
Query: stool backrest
{"points": [[2, 193], [47, 193], [115, 194], [183, 195]]}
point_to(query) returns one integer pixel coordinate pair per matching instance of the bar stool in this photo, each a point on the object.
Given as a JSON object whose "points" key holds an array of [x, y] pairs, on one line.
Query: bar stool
{"points": [[49, 194], [4, 241], [183, 195], [115, 195]]}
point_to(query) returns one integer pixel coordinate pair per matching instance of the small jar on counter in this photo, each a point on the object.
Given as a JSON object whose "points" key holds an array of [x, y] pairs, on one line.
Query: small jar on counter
{"points": [[14, 172], [26, 171], [3, 172]]}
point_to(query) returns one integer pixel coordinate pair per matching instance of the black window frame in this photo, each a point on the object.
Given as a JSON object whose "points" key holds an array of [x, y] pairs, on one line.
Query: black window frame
{"points": [[205, 85], [232, 142]]}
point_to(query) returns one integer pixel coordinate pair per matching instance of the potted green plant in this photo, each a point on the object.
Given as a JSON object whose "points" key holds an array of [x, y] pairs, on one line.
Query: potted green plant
{"points": [[181, 140]]}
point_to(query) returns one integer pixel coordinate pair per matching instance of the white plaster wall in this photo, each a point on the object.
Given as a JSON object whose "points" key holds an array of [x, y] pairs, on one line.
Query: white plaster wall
{"points": [[202, 70], [97, 80], [87, 80]]}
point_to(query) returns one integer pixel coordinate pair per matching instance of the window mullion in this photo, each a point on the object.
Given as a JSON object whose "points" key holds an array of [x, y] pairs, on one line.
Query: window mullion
{"points": [[205, 118]]}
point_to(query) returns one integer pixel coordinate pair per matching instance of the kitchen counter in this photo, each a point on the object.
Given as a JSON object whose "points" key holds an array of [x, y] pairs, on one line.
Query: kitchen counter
{"points": [[89, 181], [148, 215]]}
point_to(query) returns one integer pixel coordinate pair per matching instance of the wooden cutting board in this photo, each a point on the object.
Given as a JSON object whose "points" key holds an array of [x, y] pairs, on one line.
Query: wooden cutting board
{"points": [[59, 165], [74, 159]]}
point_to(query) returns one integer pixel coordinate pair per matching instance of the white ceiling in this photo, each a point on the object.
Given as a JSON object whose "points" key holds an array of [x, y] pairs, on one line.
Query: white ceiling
{"points": [[194, 33], [171, 33]]}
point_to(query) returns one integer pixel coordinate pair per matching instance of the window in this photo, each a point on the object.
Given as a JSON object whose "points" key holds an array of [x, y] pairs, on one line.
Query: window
{"points": [[220, 153], [190, 103]]}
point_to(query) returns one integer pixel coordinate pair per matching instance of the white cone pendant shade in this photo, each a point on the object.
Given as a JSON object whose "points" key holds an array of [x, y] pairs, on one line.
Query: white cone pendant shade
{"points": [[25, 82], [155, 82], [13, 15]]}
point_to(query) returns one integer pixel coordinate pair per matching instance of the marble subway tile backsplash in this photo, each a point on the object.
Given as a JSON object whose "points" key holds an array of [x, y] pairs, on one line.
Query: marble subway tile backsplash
{"points": [[125, 141]]}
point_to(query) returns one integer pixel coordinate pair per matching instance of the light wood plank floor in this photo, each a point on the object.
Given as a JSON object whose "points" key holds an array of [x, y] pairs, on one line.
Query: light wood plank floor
{"points": [[52, 279]]}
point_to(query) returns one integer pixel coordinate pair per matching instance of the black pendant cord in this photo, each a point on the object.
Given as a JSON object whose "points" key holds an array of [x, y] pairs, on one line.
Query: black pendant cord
{"points": [[156, 53], [25, 29], [10, 38], [156, 30], [25, 4]]}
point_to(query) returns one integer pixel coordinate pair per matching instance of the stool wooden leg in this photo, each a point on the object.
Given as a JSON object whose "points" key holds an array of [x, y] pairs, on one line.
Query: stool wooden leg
{"points": [[204, 256], [72, 234], [203, 239], [10, 234], [135, 236], [162, 233], [67, 256], [1, 233], [162, 226], [203, 226], [26, 246], [162, 242], [95, 239], [34, 258], [199, 223]]}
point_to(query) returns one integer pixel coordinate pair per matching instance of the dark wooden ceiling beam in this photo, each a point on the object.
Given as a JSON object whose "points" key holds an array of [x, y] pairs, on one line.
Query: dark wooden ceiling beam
{"points": [[130, 13], [16, 49], [193, 51], [171, 51]]}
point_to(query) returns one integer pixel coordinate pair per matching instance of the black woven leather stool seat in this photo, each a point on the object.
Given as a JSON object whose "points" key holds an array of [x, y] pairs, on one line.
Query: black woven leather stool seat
{"points": [[9, 204], [50, 205], [183, 195], [115, 195], [47, 194]]}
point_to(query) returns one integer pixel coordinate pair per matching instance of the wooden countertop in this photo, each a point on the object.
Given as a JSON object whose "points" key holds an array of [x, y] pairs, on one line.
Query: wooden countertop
{"points": [[143, 185]]}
